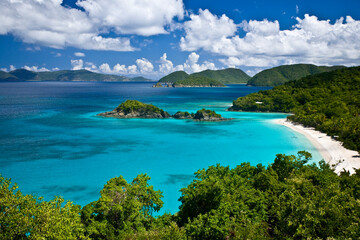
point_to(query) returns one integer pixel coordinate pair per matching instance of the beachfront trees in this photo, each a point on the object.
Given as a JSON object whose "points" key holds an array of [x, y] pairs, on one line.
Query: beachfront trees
{"points": [[329, 102], [289, 199], [25, 216], [123, 208]]}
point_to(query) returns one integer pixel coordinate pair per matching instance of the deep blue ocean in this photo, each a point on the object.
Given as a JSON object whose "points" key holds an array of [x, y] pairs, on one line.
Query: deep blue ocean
{"points": [[52, 142]]}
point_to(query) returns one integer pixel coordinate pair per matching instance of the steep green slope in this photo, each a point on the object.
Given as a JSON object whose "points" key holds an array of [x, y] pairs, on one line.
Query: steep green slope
{"points": [[279, 75], [226, 76], [173, 77], [64, 75], [5, 76], [329, 102], [23, 74], [198, 81], [76, 75]]}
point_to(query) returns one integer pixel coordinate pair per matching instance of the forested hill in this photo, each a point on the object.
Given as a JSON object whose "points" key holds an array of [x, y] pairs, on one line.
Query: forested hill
{"points": [[329, 102], [225, 76], [63, 75], [279, 75], [173, 77]]}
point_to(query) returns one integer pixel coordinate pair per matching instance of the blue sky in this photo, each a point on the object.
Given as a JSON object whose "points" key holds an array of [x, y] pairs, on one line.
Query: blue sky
{"points": [[155, 37]]}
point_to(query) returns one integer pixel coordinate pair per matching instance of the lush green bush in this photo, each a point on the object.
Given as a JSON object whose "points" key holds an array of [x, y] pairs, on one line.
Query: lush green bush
{"points": [[289, 199], [197, 80], [329, 102], [130, 106]]}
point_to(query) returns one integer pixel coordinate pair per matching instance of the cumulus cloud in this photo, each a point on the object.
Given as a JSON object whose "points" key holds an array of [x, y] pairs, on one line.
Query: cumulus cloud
{"points": [[35, 68], [142, 17], [146, 68], [77, 64], [311, 40], [49, 24], [79, 54]]}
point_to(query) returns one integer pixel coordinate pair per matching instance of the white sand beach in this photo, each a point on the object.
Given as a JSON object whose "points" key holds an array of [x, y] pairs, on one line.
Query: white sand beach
{"points": [[332, 151]]}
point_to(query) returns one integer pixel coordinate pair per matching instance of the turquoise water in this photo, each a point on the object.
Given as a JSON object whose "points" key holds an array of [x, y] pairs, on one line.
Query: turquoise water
{"points": [[52, 142]]}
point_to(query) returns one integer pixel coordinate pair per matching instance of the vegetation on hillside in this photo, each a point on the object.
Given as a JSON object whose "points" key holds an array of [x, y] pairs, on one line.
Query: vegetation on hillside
{"points": [[329, 102], [206, 113], [173, 77], [63, 75], [131, 106], [226, 76], [198, 81], [279, 75], [289, 199]]}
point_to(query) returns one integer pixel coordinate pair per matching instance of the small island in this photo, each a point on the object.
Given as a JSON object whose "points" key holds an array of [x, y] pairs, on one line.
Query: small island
{"points": [[137, 109]]}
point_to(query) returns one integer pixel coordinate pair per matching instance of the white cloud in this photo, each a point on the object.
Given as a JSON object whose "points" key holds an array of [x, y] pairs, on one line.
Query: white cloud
{"points": [[35, 69], [297, 9], [49, 24], [77, 64], [310, 41], [12, 68], [79, 54], [142, 17], [145, 66], [3, 69], [209, 32]]}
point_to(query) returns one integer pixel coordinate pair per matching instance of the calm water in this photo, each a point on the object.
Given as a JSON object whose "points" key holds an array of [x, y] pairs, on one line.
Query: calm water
{"points": [[52, 143]]}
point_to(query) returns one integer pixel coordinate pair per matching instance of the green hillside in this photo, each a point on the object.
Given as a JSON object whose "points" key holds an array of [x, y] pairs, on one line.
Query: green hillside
{"points": [[279, 75], [226, 76], [329, 102], [64, 75], [173, 77], [5, 76], [198, 81], [23, 74]]}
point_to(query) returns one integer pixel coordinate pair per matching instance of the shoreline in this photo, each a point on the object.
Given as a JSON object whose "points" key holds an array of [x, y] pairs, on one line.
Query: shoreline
{"points": [[332, 151]]}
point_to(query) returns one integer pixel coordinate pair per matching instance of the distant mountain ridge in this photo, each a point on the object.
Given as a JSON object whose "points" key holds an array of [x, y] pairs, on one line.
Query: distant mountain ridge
{"points": [[65, 75], [224, 76], [279, 75]]}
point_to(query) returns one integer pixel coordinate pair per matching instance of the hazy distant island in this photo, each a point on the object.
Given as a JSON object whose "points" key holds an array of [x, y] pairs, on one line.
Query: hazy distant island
{"points": [[137, 109], [65, 75], [207, 78]]}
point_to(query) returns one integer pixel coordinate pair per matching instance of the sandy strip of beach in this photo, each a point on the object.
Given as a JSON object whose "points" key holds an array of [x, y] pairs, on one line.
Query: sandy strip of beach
{"points": [[332, 151]]}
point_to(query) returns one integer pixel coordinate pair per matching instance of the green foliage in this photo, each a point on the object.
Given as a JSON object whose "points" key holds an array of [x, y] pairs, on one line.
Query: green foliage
{"points": [[279, 75], [206, 113], [202, 81], [63, 75], [123, 208], [289, 199], [28, 217], [130, 106], [5, 76], [173, 77], [329, 102], [226, 76]]}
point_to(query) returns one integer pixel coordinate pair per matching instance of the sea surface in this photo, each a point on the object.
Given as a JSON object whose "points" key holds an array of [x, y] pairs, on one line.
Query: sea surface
{"points": [[52, 143]]}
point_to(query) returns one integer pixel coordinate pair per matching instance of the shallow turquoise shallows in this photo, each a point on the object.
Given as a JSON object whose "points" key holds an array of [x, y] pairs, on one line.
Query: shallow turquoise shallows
{"points": [[52, 142]]}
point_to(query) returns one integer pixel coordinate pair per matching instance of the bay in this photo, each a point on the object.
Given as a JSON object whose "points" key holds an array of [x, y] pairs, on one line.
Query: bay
{"points": [[52, 142]]}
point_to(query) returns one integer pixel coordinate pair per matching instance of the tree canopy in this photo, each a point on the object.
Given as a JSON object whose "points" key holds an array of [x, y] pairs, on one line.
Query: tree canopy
{"points": [[329, 102]]}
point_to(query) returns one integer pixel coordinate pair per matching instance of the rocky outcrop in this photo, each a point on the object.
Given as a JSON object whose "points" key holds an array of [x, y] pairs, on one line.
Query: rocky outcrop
{"points": [[208, 115], [183, 115], [136, 109]]}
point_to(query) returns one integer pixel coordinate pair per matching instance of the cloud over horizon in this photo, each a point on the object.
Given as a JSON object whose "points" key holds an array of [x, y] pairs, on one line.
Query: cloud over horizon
{"points": [[49, 24], [311, 40]]}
